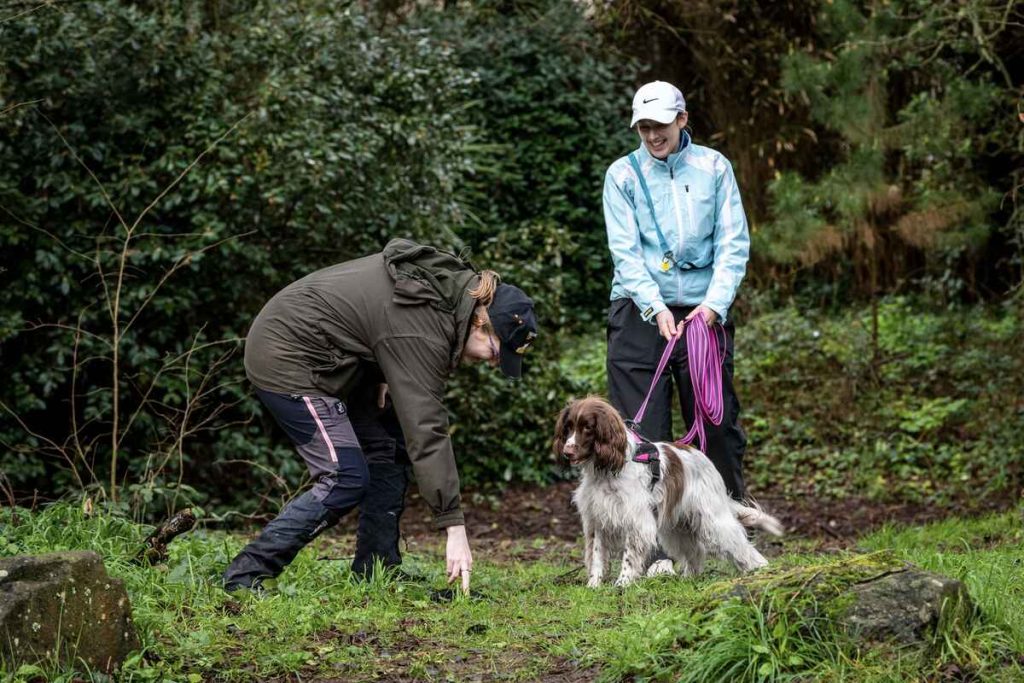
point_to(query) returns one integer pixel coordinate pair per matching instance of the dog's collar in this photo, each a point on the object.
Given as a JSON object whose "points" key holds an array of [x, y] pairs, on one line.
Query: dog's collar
{"points": [[633, 433]]}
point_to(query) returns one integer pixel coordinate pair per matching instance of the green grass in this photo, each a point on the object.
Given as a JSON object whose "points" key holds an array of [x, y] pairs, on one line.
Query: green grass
{"points": [[529, 620], [986, 554]]}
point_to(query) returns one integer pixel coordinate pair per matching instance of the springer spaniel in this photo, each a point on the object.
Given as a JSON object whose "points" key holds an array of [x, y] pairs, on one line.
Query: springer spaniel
{"points": [[624, 506]]}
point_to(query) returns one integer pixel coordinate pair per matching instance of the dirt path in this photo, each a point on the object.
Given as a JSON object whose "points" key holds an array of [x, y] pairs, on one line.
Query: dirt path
{"points": [[520, 513]]}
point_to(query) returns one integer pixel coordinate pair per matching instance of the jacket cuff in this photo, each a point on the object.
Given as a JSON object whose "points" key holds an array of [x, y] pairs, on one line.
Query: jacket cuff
{"points": [[449, 518], [722, 311], [647, 314]]}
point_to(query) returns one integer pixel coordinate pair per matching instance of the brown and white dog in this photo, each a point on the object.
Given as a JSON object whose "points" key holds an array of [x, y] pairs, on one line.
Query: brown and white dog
{"points": [[623, 510]]}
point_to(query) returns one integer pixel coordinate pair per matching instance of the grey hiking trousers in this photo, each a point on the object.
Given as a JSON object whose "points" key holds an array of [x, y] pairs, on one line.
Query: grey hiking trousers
{"points": [[356, 458]]}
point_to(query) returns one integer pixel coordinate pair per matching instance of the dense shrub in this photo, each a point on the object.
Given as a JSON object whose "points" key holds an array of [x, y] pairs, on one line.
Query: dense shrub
{"points": [[551, 103], [316, 133], [331, 137], [927, 416]]}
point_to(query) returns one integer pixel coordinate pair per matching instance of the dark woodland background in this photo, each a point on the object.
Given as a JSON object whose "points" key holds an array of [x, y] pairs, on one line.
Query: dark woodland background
{"points": [[165, 167]]}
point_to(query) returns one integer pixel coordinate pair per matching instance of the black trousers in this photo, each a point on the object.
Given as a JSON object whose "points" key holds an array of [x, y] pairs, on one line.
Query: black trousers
{"points": [[382, 441], [634, 349]]}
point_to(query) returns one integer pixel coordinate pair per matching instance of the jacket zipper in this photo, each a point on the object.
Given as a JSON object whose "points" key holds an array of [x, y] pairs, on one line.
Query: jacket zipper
{"points": [[679, 215], [689, 209], [679, 228]]}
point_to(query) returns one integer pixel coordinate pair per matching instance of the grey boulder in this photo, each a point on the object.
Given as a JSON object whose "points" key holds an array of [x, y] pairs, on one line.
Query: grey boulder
{"points": [[906, 606], [63, 607]]}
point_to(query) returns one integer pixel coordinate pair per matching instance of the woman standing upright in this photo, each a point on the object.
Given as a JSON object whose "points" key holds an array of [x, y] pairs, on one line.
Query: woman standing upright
{"points": [[679, 242]]}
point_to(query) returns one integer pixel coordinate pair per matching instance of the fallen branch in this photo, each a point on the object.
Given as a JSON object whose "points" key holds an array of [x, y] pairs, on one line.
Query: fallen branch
{"points": [[154, 548]]}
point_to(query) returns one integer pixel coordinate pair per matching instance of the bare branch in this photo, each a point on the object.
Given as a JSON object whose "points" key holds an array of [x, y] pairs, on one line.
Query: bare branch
{"points": [[45, 232], [98, 261], [18, 105], [53, 444], [30, 10], [32, 327], [167, 364], [8, 490], [168, 235], [188, 168], [79, 453], [180, 263], [88, 170], [278, 479]]}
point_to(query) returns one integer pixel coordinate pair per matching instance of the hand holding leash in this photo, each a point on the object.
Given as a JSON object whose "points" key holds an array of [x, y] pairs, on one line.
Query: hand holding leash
{"points": [[705, 360], [710, 317], [666, 324]]}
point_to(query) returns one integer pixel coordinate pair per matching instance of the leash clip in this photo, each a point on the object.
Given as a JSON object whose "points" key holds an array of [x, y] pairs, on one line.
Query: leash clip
{"points": [[633, 431]]}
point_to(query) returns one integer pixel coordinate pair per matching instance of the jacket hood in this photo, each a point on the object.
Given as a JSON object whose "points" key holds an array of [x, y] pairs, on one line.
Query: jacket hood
{"points": [[425, 275]]}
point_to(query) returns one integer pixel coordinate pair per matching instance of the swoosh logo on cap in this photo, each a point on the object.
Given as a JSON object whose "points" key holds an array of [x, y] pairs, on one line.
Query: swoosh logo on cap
{"points": [[650, 100]]}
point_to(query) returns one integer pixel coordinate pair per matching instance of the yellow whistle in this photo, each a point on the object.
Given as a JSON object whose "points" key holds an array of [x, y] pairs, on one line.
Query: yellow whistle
{"points": [[665, 265]]}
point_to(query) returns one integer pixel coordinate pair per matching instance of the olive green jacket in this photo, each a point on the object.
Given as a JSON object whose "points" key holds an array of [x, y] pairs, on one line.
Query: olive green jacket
{"points": [[404, 313]]}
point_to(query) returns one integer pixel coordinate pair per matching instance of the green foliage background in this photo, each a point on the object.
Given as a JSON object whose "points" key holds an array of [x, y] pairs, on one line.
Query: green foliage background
{"points": [[326, 134], [166, 167]]}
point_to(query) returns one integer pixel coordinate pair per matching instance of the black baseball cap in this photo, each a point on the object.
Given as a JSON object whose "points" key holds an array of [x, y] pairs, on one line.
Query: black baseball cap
{"points": [[511, 314]]}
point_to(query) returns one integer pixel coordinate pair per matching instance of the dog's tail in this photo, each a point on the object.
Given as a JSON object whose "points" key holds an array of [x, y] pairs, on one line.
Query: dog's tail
{"points": [[752, 516]]}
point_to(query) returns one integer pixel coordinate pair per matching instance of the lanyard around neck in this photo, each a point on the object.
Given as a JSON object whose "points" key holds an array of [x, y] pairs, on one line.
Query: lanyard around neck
{"points": [[668, 258]]}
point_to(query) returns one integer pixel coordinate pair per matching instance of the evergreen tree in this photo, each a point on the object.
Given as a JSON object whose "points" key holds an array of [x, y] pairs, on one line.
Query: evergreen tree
{"points": [[923, 109]]}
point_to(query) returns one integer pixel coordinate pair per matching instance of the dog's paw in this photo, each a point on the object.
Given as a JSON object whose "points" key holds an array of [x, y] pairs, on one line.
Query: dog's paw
{"points": [[624, 581], [593, 582], [661, 567]]}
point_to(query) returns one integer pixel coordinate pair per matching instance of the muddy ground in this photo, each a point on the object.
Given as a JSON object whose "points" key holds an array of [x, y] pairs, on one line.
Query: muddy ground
{"points": [[497, 522]]}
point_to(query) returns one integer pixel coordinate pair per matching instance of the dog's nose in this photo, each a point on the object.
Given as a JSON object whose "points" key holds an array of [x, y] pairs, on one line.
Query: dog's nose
{"points": [[569, 449]]}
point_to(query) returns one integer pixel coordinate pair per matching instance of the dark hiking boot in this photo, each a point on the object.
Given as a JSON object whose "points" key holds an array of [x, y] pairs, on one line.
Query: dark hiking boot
{"points": [[379, 514]]}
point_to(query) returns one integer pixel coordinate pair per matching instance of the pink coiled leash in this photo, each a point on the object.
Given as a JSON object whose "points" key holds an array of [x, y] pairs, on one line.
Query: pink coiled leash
{"points": [[705, 359]]}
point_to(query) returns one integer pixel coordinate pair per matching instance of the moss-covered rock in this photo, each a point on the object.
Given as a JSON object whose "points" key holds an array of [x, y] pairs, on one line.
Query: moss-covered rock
{"points": [[871, 598], [64, 607], [907, 606]]}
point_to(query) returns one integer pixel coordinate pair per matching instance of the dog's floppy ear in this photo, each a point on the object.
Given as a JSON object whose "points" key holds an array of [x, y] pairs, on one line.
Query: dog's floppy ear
{"points": [[561, 435], [610, 441]]}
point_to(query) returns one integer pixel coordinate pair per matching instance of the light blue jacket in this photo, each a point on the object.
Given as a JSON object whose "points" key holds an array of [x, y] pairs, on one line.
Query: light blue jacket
{"points": [[701, 216]]}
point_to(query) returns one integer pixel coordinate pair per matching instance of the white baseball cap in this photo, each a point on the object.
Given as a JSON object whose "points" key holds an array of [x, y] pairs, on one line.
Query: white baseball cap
{"points": [[658, 101]]}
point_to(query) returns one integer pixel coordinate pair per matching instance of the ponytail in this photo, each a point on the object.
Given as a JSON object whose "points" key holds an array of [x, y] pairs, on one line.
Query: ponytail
{"points": [[484, 292]]}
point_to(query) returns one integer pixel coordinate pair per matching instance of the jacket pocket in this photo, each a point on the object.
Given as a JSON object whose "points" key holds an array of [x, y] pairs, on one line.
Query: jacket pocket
{"points": [[699, 245], [336, 374]]}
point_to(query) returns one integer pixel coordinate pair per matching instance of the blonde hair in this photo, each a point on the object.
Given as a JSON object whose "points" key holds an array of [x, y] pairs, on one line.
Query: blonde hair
{"points": [[484, 295], [484, 292]]}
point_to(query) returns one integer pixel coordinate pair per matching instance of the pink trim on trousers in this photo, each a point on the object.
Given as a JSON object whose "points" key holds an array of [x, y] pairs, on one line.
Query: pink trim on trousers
{"points": [[320, 426]]}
